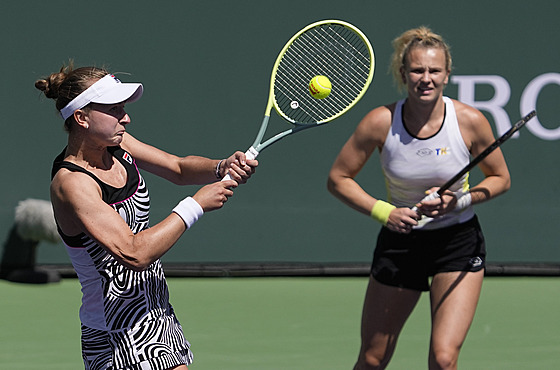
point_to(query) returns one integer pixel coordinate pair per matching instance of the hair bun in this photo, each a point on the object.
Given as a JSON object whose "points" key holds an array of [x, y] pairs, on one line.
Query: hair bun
{"points": [[50, 85]]}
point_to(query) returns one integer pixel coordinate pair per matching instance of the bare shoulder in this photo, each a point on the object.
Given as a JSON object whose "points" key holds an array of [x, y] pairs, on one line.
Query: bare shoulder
{"points": [[368, 136], [376, 124], [468, 116], [379, 117], [66, 181], [70, 193], [475, 128]]}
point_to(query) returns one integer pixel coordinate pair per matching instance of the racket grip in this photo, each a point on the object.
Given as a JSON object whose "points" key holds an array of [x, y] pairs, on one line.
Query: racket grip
{"points": [[430, 196], [251, 153]]}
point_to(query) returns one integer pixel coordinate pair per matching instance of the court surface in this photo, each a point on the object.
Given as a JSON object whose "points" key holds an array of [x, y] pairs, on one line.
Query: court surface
{"points": [[289, 323]]}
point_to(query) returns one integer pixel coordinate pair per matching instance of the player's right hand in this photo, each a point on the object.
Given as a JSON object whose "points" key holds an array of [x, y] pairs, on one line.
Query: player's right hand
{"points": [[402, 220], [215, 195]]}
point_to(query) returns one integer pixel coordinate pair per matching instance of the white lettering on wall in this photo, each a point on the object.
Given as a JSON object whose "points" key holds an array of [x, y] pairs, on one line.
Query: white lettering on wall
{"points": [[529, 102], [494, 106], [502, 92]]}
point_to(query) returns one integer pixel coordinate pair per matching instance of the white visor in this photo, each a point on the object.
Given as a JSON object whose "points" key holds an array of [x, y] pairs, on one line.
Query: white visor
{"points": [[108, 90]]}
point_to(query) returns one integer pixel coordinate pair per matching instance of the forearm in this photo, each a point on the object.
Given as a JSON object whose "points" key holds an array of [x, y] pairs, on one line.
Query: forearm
{"points": [[147, 246], [489, 188], [351, 193], [195, 170], [151, 244]]}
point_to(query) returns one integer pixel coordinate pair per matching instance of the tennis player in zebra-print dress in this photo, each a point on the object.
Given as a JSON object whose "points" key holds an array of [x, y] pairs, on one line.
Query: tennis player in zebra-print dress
{"points": [[101, 205]]}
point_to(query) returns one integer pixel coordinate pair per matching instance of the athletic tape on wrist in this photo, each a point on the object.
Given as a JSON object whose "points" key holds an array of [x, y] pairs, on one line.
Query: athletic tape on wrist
{"points": [[381, 211], [189, 210], [463, 200]]}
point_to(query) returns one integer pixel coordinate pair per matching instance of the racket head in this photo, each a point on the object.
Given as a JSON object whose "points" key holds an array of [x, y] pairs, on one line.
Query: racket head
{"points": [[332, 48]]}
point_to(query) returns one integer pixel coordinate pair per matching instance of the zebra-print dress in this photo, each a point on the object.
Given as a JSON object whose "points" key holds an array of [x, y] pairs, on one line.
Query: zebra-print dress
{"points": [[127, 320]]}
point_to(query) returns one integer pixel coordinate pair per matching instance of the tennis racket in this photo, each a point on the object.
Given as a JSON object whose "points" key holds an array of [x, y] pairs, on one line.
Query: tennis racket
{"points": [[502, 139], [331, 48]]}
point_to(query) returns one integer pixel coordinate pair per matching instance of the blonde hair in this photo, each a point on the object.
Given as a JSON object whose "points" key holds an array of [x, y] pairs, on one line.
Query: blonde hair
{"points": [[421, 37], [66, 84]]}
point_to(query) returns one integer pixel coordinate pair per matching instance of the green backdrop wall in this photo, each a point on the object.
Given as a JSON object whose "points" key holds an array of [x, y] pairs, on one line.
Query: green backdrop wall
{"points": [[205, 67]]}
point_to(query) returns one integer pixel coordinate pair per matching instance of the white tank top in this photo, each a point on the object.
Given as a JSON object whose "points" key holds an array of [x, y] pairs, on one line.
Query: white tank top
{"points": [[412, 165]]}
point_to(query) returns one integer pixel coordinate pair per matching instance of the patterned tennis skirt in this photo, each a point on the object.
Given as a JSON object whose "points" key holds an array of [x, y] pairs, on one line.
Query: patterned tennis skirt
{"points": [[155, 344]]}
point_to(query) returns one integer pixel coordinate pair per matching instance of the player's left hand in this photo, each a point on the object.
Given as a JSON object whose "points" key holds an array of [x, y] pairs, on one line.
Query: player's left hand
{"points": [[439, 206], [239, 167]]}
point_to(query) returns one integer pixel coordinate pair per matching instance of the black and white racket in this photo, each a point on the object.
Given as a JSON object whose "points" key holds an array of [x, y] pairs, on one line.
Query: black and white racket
{"points": [[502, 139]]}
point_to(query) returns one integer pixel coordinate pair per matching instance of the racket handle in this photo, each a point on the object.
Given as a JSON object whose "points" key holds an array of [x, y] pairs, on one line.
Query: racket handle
{"points": [[430, 196], [251, 153]]}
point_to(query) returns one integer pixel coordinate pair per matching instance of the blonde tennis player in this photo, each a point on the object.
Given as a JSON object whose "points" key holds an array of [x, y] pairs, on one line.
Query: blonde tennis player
{"points": [[423, 140]]}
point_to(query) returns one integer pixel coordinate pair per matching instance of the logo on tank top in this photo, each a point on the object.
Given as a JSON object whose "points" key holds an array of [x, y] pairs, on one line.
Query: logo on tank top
{"points": [[442, 151], [127, 157], [424, 152]]}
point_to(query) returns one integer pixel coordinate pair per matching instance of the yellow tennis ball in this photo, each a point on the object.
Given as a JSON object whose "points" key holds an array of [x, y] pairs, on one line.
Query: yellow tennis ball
{"points": [[320, 87]]}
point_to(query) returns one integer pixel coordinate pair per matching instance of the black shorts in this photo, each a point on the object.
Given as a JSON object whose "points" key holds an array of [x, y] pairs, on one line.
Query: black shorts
{"points": [[408, 260]]}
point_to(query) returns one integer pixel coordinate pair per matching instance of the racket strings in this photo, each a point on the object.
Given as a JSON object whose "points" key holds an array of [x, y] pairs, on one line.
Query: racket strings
{"points": [[352, 43], [330, 50], [340, 65], [348, 69]]}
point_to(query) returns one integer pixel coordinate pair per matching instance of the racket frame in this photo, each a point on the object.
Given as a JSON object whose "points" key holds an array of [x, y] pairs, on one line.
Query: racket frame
{"points": [[257, 145]]}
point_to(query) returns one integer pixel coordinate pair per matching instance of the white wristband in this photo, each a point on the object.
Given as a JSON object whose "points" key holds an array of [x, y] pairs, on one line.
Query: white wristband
{"points": [[463, 200], [189, 210]]}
